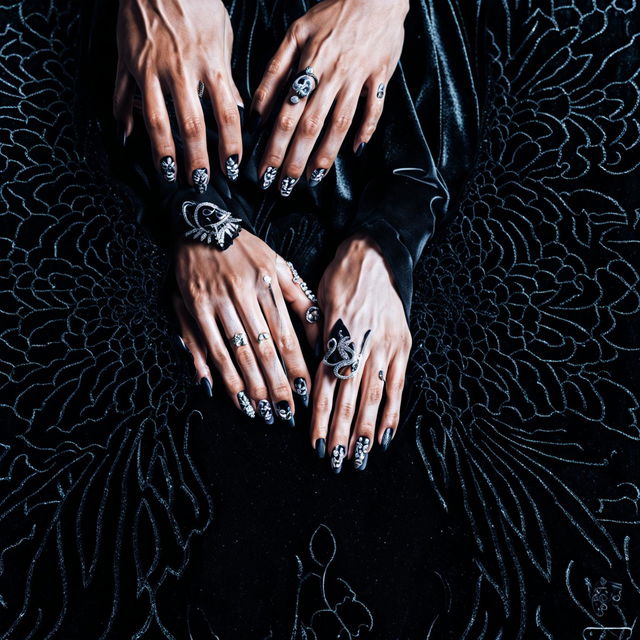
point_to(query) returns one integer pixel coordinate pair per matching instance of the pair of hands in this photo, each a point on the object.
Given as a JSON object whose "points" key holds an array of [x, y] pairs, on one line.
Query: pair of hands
{"points": [[262, 376], [167, 47]]}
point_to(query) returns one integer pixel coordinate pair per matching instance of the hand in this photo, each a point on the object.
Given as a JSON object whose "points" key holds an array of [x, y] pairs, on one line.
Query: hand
{"points": [[224, 294], [169, 46], [357, 288], [353, 47]]}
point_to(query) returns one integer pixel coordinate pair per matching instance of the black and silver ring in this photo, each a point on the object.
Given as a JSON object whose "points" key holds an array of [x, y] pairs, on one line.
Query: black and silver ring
{"points": [[341, 351], [304, 84]]}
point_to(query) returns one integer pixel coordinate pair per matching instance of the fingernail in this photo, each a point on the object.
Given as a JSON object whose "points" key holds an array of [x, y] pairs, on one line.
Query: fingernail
{"points": [[200, 179], [168, 169], [245, 404], [206, 385], [283, 409], [321, 448], [337, 458], [233, 170], [360, 149], [361, 453], [316, 176], [181, 344], [266, 411], [300, 387], [286, 186], [318, 348], [386, 438], [121, 134], [253, 121], [268, 177]]}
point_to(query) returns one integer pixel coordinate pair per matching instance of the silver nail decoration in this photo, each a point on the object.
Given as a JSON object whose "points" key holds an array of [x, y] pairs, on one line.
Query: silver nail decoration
{"points": [[168, 169], [266, 411], [337, 457], [239, 340], [300, 386], [286, 186], [245, 404], [380, 91], [268, 177], [363, 446], [200, 179], [209, 223], [316, 176], [303, 285], [233, 168]]}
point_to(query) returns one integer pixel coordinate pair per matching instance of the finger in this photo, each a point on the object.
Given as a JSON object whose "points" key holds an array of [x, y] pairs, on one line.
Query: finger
{"points": [[261, 338], [394, 385], [372, 112], [286, 340], [277, 71], [341, 120], [324, 386], [302, 305], [159, 128], [225, 108], [193, 131], [371, 392], [193, 345], [123, 103]]}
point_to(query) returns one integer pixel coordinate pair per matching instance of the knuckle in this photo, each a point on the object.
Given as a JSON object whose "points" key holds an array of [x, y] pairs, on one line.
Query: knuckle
{"points": [[293, 169], [281, 390], [311, 125], [392, 419], [260, 96], [273, 159], [346, 409], [366, 428], [342, 122], [370, 127], [244, 357], [216, 77], [155, 121], [396, 386], [229, 116], [343, 64], [374, 395], [286, 123], [192, 127], [195, 293], [287, 343], [258, 391], [274, 66], [323, 404]]}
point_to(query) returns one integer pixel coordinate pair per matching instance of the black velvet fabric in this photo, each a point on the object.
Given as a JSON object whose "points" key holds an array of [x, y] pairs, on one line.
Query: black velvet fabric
{"points": [[131, 506]]}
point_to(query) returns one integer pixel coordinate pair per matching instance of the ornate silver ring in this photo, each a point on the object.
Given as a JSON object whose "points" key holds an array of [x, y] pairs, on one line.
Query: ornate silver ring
{"points": [[304, 84], [263, 336], [312, 315], [239, 340]]}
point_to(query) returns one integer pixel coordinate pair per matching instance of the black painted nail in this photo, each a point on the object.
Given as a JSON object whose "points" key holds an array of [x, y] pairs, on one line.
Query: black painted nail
{"points": [[181, 344], [121, 134], [283, 411], [316, 176], [253, 121], [241, 111], [286, 186], [206, 385], [200, 179], [300, 387], [337, 458], [245, 404], [168, 169], [321, 448], [232, 167], [361, 453], [266, 411], [360, 149], [268, 177], [386, 438], [317, 350]]}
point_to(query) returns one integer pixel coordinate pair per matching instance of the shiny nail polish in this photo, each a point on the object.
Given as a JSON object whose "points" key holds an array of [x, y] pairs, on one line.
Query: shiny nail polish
{"points": [[361, 453], [316, 176], [321, 448], [206, 385], [266, 411], [168, 169], [232, 167], [286, 186], [300, 387], [386, 438], [200, 179], [337, 458], [268, 177], [283, 411], [360, 149], [121, 134], [181, 344], [245, 404]]}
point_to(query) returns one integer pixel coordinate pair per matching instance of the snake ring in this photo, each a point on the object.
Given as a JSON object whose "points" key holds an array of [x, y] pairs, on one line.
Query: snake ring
{"points": [[341, 351]]}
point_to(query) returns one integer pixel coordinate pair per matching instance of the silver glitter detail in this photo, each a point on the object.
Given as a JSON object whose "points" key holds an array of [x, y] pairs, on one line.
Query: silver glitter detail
{"points": [[233, 168], [209, 223], [245, 404], [300, 387], [266, 411], [316, 176], [303, 285], [337, 456], [200, 179], [363, 446], [286, 186], [168, 169], [268, 177]]}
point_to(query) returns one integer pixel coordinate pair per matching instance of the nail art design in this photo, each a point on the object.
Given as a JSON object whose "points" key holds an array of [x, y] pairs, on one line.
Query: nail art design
{"points": [[386, 438], [316, 176], [300, 387], [168, 169], [321, 448], [200, 179], [286, 186], [266, 411], [245, 404], [380, 91], [360, 149], [232, 167], [361, 453], [206, 385], [284, 412], [337, 458], [268, 177]]}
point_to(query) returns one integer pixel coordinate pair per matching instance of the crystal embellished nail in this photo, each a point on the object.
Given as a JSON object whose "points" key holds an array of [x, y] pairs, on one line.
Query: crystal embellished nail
{"points": [[206, 385], [283, 411], [316, 176], [300, 387], [321, 448], [337, 458], [245, 404], [200, 179], [232, 167], [266, 411], [168, 169], [386, 438], [286, 186], [268, 177], [361, 453]]}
